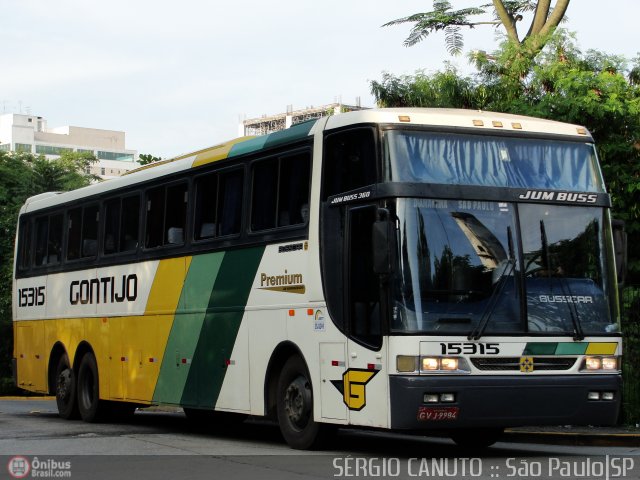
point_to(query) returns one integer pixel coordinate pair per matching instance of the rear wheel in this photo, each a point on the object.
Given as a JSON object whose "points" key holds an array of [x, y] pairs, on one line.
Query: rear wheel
{"points": [[91, 409], [477, 437], [65, 389], [295, 408]]}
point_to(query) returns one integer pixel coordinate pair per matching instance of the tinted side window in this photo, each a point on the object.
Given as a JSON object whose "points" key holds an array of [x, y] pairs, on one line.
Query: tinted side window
{"points": [[42, 230], [349, 161], [265, 194], [230, 202], [111, 226], [54, 240], [90, 231], [293, 195], [154, 232], [129, 224], [176, 214], [218, 204], [24, 261], [166, 215], [74, 224], [281, 191]]}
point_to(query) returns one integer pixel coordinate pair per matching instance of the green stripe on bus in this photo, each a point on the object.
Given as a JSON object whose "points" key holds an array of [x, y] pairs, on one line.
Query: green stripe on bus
{"points": [[187, 324], [539, 348], [577, 348], [217, 337]]}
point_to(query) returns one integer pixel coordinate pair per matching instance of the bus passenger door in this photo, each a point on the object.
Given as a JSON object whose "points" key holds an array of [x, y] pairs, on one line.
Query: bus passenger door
{"points": [[365, 381]]}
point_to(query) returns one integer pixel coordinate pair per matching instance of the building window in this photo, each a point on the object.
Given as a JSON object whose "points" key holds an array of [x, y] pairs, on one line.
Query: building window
{"points": [[84, 150], [123, 157], [5, 146], [23, 147], [51, 150]]}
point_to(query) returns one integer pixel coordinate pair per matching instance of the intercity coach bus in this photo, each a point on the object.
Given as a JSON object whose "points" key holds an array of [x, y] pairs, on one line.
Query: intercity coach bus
{"points": [[419, 270]]}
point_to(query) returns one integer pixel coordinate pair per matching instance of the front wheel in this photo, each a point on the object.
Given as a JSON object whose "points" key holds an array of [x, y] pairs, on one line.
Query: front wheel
{"points": [[65, 390], [91, 409], [295, 408], [477, 438]]}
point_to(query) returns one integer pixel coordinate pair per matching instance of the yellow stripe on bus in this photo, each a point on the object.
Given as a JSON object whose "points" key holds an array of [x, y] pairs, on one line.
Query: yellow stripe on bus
{"points": [[219, 152], [601, 348]]}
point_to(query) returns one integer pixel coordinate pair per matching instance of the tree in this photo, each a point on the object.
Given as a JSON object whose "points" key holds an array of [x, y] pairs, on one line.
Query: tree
{"points": [[146, 158], [592, 89], [506, 13], [23, 175]]}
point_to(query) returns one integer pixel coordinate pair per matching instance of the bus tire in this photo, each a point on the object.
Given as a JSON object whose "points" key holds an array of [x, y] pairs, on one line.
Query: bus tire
{"points": [[89, 405], [294, 397], [65, 390], [477, 438]]}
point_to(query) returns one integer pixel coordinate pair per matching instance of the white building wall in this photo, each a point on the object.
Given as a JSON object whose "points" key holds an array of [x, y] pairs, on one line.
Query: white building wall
{"points": [[107, 145]]}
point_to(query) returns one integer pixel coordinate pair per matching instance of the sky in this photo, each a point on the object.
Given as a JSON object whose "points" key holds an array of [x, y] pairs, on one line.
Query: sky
{"points": [[179, 76]]}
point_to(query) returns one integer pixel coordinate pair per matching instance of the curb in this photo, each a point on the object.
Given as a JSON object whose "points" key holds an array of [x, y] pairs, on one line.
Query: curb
{"points": [[573, 438], [27, 398]]}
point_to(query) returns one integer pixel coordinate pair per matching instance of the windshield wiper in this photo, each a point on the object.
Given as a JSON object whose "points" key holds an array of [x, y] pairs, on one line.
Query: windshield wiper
{"points": [[478, 331]]}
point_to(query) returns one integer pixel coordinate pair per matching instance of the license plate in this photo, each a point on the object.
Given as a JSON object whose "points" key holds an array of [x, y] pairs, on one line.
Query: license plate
{"points": [[437, 414]]}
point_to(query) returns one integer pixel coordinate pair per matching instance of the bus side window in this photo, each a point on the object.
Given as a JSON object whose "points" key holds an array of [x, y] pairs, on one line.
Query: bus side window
{"points": [[54, 240], [111, 226], [25, 244], [155, 218], [129, 223], [294, 189], [74, 225], [90, 220], [205, 216], [265, 194], [175, 219], [42, 230], [349, 161], [230, 202]]}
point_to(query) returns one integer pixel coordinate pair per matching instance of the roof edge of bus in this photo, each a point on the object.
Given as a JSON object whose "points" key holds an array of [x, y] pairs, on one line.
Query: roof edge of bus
{"points": [[483, 120]]}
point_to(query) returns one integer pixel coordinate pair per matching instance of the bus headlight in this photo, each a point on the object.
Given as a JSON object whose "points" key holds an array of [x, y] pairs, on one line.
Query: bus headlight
{"points": [[431, 364], [449, 364], [600, 363]]}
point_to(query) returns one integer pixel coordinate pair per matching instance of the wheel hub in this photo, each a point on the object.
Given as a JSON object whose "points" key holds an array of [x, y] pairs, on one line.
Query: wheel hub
{"points": [[64, 384], [297, 402]]}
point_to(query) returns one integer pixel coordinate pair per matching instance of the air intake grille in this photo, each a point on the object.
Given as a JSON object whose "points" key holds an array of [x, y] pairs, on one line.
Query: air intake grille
{"points": [[513, 363]]}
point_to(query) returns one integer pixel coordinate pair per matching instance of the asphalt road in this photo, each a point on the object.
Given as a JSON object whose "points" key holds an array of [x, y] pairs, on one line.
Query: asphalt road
{"points": [[164, 444]]}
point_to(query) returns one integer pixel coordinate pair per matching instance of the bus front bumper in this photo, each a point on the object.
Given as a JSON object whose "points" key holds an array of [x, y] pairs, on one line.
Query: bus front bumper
{"points": [[502, 401]]}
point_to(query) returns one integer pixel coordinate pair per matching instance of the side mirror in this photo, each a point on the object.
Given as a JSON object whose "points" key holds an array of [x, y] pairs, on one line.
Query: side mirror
{"points": [[620, 249], [383, 243]]}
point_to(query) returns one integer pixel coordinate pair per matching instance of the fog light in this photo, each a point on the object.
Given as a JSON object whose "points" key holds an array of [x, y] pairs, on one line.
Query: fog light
{"points": [[593, 363], [430, 398], [406, 363], [609, 363], [607, 395], [447, 397], [449, 364], [430, 363], [593, 396]]}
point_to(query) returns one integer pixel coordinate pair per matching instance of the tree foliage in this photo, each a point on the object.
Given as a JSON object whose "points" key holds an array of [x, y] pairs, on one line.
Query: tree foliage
{"points": [[23, 175], [545, 18], [590, 88], [147, 158]]}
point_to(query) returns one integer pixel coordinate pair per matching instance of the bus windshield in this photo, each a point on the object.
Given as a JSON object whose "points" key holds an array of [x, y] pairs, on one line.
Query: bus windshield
{"points": [[460, 159], [463, 261]]}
